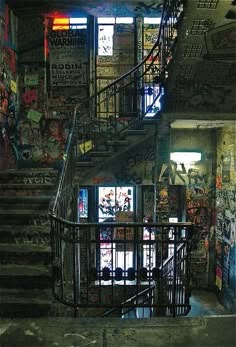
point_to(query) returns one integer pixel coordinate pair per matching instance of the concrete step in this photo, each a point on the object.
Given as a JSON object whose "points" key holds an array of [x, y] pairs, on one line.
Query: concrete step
{"points": [[135, 132], [118, 143], [84, 164], [15, 189], [19, 202], [100, 153], [23, 216], [24, 277], [24, 234], [29, 176], [24, 303], [24, 254]]}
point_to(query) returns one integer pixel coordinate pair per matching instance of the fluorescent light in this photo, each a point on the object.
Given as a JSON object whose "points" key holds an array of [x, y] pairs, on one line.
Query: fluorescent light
{"points": [[185, 157]]}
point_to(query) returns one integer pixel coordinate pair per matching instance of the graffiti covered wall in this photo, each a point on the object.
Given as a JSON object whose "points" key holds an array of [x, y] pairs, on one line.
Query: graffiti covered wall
{"points": [[225, 279], [198, 179], [8, 88]]}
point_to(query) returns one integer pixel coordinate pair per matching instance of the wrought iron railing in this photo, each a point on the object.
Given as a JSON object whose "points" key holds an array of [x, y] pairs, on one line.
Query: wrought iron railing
{"points": [[83, 282], [100, 117], [172, 289], [126, 101], [105, 116]]}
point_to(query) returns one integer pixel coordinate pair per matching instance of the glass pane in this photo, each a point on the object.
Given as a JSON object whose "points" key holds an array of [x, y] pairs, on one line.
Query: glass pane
{"points": [[106, 20], [60, 24], [105, 39], [124, 20], [152, 20], [111, 201], [78, 20], [83, 204]]}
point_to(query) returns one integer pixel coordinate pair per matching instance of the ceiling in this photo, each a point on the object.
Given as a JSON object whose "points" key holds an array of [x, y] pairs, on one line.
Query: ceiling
{"points": [[79, 8]]}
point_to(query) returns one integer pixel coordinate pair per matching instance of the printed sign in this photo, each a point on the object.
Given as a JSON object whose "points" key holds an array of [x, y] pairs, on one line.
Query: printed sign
{"points": [[68, 57], [86, 146], [124, 233], [33, 115], [31, 80]]}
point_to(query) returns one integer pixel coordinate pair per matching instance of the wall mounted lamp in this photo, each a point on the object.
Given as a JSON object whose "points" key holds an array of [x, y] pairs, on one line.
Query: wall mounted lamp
{"points": [[185, 157]]}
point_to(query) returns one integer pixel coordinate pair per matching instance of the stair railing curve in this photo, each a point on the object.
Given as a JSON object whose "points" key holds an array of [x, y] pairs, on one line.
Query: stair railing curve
{"points": [[105, 116]]}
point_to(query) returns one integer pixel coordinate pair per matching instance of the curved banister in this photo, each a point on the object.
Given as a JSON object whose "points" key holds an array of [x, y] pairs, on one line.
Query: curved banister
{"points": [[105, 114], [100, 115]]}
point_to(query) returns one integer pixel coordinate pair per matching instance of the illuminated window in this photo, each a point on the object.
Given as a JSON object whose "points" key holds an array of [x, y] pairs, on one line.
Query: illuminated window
{"points": [[105, 39], [106, 32], [111, 201], [115, 20], [83, 203], [69, 23], [152, 20]]}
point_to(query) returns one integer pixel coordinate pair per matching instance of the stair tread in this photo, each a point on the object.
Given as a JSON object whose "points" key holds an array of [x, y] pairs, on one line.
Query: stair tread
{"points": [[31, 170], [23, 228], [24, 248], [26, 197], [100, 153], [135, 131], [23, 270], [27, 185], [84, 163], [118, 142], [9, 211], [25, 296]]}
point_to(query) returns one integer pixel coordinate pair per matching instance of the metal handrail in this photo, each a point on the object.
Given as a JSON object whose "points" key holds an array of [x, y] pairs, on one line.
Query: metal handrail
{"points": [[167, 263], [99, 114], [94, 118]]}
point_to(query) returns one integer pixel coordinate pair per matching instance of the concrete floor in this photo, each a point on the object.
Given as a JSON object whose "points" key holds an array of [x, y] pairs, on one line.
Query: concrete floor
{"points": [[207, 325], [205, 302]]}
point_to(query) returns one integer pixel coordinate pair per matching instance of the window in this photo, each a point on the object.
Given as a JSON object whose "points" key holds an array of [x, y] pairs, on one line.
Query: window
{"points": [[111, 201], [149, 249], [106, 33], [69, 23], [152, 20], [83, 203], [152, 100], [105, 39]]}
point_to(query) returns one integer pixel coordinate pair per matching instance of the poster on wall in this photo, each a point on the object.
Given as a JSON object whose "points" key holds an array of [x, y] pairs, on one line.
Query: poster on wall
{"points": [[68, 58]]}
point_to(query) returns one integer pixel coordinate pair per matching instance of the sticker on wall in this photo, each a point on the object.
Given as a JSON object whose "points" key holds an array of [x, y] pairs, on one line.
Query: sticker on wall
{"points": [[226, 169], [86, 146], [31, 79], [35, 116], [219, 277], [13, 86], [29, 96]]}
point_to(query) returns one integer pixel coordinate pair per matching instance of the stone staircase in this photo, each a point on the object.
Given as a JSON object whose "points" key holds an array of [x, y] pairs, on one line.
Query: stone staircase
{"points": [[109, 153], [25, 253]]}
